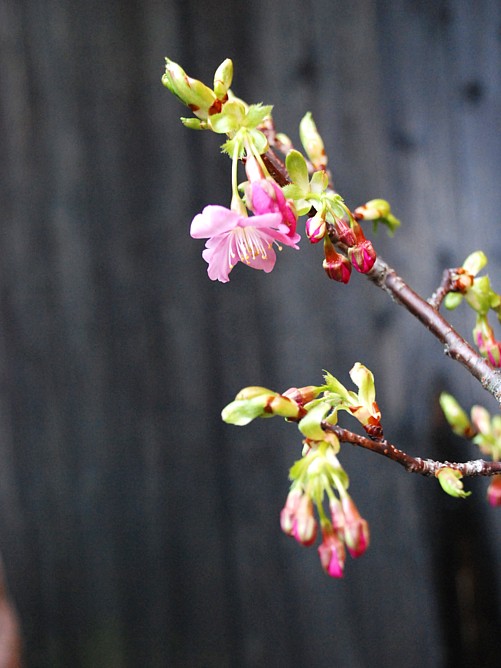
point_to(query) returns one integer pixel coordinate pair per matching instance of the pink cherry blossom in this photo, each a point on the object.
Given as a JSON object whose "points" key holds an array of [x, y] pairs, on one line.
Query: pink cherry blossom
{"points": [[233, 237], [266, 196]]}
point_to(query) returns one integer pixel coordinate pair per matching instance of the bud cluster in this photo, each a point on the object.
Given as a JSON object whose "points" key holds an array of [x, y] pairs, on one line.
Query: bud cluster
{"points": [[483, 430], [318, 477], [342, 529], [249, 130], [478, 294]]}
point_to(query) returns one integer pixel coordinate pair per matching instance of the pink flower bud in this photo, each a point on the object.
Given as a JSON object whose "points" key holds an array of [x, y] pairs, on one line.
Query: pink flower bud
{"points": [[337, 515], [344, 233], [305, 525], [302, 395], [356, 530], [332, 553], [316, 228], [494, 491], [362, 256], [288, 512], [338, 268]]}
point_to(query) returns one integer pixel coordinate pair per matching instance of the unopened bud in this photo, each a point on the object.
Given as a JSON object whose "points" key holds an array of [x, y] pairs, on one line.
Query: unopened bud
{"points": [[332, 553], [356, 530], [378, 210], [316, 227], [302, 395], [481, 419], [475, 262], [305, 524], [193, 93], [254, 402], [337, 515], [223, 78], [362, 256], [312, 142], [344, 233], [336, 266], [494, 491], [288, 513], [450, 481], [455, 416]]}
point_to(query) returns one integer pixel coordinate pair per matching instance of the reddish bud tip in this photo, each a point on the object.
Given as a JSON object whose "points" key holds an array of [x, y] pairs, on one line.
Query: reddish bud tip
{"points": [[332, 553], [494, 491]]}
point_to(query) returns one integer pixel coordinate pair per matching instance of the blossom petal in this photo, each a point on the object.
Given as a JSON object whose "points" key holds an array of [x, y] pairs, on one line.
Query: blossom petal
{"points": [[217, 255], [265, 263], [214, 220], [272, 220]]}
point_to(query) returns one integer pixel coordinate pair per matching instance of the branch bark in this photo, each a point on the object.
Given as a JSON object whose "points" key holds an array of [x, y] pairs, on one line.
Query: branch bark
{"points": [[427, 467]]}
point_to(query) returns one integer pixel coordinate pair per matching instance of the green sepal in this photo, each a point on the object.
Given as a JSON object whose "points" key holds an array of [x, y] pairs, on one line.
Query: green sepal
{"points": [[319, 182], [335, 386], [294, 192], [257, 114], [193, 123], [298, 170], [479, 295], [229, 147], [230, 119]]}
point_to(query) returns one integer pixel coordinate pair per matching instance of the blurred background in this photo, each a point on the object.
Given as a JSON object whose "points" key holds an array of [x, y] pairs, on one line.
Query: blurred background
{"points": [[136, 529]]}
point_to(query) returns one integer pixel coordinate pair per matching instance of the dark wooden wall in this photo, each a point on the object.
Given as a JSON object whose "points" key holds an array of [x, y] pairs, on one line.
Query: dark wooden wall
{"points": [[137, 530]]}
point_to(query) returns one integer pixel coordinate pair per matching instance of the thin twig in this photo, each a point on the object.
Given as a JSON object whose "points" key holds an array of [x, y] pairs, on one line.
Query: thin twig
{"points": [[435, 301], [427, 467]]}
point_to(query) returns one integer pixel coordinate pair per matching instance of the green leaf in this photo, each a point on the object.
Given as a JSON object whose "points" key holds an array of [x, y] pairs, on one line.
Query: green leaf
{"points": [[309, 426], [450, 481], [333, 385], [298, 170]]}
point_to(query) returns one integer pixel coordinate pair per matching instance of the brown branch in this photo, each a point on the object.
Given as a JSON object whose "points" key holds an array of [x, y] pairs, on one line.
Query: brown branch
{"points": [[427, 467], [455, 346], [386, 278]]}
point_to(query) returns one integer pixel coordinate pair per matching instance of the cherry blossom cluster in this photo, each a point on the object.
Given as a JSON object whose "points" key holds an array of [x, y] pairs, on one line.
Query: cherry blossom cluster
{"points": [[281, 185], [262, 215], [318, 479]]}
